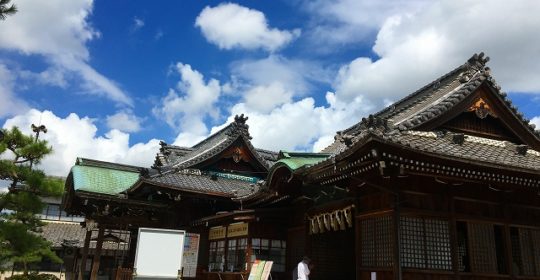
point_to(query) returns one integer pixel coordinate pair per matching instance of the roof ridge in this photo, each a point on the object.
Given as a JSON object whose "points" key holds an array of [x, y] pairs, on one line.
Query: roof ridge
{"points": [[471, 138], [513, 109], [477, 62], [106, 164], [238, 123]]}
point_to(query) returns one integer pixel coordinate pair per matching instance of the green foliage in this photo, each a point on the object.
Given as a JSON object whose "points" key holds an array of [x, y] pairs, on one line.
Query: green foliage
{"points": [[34, 276], [6, 10], [19, 225]]}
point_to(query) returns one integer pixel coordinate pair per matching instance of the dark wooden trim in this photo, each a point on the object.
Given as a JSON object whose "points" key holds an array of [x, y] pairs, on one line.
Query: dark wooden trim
{"points": [[507, 118], [453, 238], [97, 254], [82, 265], [398, 273], [509, 257]]}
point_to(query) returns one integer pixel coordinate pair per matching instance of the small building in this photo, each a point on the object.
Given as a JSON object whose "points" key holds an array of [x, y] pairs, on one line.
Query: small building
{"points": [[442, 184]]}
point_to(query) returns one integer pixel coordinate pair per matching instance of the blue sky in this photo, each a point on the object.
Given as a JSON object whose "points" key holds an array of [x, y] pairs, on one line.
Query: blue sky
{"points": [[112, 78]]}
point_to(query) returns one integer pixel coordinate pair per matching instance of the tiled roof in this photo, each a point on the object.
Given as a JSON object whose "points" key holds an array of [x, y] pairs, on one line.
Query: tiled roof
{"points": [[432, 101], [56, 233], [294, 160], [206, 183], [476, 149], [472, 150], [102, 180], [59, 233], [175, 157]]}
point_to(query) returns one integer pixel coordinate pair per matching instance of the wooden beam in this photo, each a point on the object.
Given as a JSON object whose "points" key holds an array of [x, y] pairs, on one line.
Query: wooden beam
{"points": [[453, 236], [82, 265], [398, 274], [97, 254]]}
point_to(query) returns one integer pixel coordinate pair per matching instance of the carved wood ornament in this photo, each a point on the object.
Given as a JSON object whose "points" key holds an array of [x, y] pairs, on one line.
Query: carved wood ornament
{"points": [[237, 154], [481, 109]]}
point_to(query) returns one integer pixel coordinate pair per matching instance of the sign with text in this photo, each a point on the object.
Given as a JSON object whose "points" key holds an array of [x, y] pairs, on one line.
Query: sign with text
{"points": [[256, 270], [239, 229], [191, 252], [260, 270], [217, 233], [159, 253], [266, 270]]}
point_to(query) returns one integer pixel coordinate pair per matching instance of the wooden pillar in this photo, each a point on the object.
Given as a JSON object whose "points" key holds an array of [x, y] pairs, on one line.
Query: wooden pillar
{"points": [[132, 248], [82, 265], [97, 254], [398, 275], [453, 237], [509, 259]]}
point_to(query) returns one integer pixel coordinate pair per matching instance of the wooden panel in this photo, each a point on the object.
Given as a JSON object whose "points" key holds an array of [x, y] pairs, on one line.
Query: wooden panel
{"points": [[333, 254], [296, 249], [489, 127], [381, 275], [426, 276], [425, 243], [225, 276], [376, 241], [482, 247], [124, 274]]}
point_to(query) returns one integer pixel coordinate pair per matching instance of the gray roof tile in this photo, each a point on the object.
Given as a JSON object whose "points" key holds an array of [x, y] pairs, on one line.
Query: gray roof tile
{"points": [[434, 99], [184, 157], [205, 183]]}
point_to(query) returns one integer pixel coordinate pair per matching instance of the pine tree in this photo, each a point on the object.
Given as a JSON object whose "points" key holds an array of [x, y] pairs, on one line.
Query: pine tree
{"points": [[20, 241], [6, 10]]}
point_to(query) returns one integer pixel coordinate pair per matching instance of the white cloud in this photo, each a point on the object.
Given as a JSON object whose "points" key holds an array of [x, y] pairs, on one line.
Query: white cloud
{"points": [[188, 139], [266, 98], [73, 137], [10, 104], [340, 22], [230, 25], [53, 76], [416, 48], [137, 24], [536, 122], [159, 34], [272, 81], [294, 74], [185, 107], [299, 125], [59, 30], [124, 121]]}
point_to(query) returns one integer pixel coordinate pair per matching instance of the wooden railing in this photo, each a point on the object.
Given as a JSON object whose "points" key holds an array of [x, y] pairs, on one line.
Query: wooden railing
{"points": [[124, 274]]}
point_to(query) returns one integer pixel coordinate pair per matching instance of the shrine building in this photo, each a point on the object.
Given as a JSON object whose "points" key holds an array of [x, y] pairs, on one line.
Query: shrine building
{"points": [[442, 184]]}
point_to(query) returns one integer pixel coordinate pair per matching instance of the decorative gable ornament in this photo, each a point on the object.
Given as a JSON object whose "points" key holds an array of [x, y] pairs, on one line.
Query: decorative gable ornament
{"points": [[481, 109], [237, 154]]}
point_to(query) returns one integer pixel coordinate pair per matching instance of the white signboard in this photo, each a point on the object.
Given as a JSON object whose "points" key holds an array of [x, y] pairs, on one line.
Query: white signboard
{"points": [[191, 252], [159, 253]]}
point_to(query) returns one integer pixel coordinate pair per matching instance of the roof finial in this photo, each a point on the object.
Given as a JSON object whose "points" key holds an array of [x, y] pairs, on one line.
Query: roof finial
{"points": [[240, 119], [478, 60]]}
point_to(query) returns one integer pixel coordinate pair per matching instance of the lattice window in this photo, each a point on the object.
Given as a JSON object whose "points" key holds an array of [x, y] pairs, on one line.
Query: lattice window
{"points": [[462, 249], [270, 250], [438, 251], [526, 251], [376, 242], [217, 256], [483, 254], [425, 243], [236, 254]]}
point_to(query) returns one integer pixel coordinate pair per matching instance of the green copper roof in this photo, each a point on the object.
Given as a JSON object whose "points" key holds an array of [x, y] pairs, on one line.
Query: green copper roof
{"points": [[296, 160], [102, 180]]}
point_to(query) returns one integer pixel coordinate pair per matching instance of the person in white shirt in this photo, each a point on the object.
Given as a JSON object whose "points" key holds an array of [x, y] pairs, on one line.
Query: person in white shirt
{"points": [[302, 270]]}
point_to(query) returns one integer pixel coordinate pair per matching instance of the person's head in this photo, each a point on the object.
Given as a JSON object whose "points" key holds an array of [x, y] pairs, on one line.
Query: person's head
{"points": [[306, 260]]}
